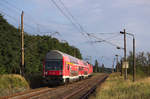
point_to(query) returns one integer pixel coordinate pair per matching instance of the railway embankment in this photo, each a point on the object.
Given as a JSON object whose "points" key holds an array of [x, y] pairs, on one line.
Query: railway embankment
{"points": [[76, 90], [115, 87], [12, 83]]}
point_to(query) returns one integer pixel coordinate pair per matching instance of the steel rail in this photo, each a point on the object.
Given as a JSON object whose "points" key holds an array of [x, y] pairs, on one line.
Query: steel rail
{"points": [[27, 94], [84, 96]]}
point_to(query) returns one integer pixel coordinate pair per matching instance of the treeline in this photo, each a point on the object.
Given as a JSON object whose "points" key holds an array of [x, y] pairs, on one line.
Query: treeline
{"points": [[142, 63], [36, 47], [101, 69]]}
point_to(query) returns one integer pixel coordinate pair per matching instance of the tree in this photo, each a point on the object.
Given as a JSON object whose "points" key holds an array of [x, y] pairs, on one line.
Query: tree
{"points": [[142, 63], [103, 68], [148, 63], [96, 66]]}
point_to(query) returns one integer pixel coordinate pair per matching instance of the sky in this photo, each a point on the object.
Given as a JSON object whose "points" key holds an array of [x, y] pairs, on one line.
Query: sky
{"points": [[103, 18]]}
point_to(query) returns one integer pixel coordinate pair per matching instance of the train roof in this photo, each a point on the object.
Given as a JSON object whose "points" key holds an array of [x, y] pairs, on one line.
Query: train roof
{"points": [[55, 54]]}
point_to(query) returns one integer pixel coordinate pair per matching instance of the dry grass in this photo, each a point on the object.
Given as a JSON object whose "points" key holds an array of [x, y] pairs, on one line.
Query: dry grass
{"points": [[11, 83], [116, 88]]}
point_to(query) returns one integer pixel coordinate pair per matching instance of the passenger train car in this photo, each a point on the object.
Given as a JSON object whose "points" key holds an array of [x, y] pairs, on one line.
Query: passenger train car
{"points": [[59, 67]]}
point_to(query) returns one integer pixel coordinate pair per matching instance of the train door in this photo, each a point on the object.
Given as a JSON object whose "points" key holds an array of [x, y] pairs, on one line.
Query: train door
{"points": [[67, 69]]}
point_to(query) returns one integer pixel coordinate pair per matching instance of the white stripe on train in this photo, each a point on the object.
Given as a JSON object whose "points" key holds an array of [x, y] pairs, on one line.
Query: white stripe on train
{"points": [[74, 77]]}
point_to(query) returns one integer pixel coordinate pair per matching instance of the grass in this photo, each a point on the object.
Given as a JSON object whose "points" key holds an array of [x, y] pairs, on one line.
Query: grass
{"points": [[12, 83], [115, 87]]}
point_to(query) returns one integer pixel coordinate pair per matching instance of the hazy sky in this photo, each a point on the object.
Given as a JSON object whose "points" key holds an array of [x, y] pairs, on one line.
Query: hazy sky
{"points": [[95, 16]]}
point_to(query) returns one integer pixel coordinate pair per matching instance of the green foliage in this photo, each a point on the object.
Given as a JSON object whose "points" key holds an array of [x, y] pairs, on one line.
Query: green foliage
{"points": [[101, 69], [95, 68], [142, 63], [36, 47]]}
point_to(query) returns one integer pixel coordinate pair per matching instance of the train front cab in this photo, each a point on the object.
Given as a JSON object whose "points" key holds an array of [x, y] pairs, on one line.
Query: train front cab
{"points": [[53, 68]]}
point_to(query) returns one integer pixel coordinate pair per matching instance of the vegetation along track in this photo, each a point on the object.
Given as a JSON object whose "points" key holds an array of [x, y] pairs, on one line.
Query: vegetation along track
{"points": [[76, 90]]}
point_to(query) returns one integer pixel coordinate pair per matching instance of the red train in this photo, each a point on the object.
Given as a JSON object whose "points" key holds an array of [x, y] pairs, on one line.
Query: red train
{"points": [[59, 67]]}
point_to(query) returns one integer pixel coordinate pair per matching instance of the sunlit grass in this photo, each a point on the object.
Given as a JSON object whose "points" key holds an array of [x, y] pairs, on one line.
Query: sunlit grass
{"points": [[115, 87], [11, 83]]}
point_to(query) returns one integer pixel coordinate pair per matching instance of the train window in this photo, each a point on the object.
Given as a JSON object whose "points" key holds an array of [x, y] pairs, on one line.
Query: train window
{"points": [[53, 65]]}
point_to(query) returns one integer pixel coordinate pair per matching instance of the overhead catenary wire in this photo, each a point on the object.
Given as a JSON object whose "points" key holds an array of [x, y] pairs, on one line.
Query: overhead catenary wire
{"points": [[15, 20], [72, 19], [81, 27], [115, 34], [113, 37], [61, 10], [102, 40], [82, 30], [105, 33], [19, 10], [29, 16]]}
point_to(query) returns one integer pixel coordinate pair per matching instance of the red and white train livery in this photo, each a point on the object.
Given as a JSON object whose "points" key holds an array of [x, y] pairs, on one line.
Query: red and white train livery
{"points": [[60, 67]]}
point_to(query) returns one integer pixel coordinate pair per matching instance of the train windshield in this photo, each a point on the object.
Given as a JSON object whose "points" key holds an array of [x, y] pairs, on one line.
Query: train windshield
{"points": [[53, 65]]}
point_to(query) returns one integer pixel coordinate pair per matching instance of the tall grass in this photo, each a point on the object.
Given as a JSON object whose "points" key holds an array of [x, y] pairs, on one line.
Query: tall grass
{"points": [[11, 83], [115, 87]]}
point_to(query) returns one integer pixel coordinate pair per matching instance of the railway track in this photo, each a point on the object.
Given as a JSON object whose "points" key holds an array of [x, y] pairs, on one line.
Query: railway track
{"points": [[77, 90], [85, 91], [27, 94]]}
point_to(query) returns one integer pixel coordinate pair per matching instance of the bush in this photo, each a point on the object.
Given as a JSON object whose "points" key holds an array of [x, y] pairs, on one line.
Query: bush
{"points": [[11, 83]]}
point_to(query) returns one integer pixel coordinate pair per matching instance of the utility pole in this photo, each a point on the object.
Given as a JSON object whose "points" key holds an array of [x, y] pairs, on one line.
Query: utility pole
{"points": [[117, 68], [113, 66], [125, 57], [121, 58], [20, 64], [22, 45], [121, 67], [134, 60]]}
